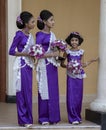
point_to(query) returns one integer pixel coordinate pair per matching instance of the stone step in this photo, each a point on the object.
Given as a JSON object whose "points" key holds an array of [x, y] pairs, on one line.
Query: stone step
{"points": [[45, 128], [86, 125]]}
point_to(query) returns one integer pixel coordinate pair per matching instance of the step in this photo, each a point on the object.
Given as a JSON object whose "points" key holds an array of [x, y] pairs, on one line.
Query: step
{"points": [[86, 125]]}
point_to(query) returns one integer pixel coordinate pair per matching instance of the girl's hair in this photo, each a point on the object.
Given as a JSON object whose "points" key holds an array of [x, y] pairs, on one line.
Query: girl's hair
{"points": [[22, 19], [76, 35], [44, 15]]}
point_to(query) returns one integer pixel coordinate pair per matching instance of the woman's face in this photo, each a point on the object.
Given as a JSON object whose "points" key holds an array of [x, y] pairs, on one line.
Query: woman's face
{"points": [[50, 22], [74, 42], [31, 23]]}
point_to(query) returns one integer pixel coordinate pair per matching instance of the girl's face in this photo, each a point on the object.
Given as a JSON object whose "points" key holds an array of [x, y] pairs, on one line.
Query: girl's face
{"points": [[74, 42], [50, 22], [31, 23]]}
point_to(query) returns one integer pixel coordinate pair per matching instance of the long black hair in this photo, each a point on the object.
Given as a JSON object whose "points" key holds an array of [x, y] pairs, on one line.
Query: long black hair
{"points": [[44, 15], [23, 18]]}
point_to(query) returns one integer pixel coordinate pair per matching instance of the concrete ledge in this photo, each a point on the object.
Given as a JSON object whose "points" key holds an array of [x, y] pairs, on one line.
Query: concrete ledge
{"points": [[96, 117]]}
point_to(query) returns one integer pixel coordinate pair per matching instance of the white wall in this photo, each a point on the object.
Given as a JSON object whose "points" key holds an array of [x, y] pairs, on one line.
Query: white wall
{"points": [[14, 9]]}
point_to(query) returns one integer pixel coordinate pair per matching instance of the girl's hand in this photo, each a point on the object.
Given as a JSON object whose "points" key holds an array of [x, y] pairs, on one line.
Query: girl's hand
{"points": [[96, 59], [89, 62], [66, 49]]}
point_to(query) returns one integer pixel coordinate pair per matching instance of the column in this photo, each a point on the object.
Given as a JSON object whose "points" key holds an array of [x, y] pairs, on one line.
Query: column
{"points": [[14, 9], [99, 103]]}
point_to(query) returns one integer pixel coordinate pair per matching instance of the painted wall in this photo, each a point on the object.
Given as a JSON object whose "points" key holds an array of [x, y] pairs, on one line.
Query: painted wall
{"points": [[73, 15], [12, 13]]}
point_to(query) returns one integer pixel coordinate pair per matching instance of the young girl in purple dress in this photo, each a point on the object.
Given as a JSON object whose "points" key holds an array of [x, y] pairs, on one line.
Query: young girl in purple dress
{"points": [[75, 76], [47, 74], [23, 65]]}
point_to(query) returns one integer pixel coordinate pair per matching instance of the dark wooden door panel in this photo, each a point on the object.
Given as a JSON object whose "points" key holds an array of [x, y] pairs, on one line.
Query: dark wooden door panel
{"points": [[3, 46]]}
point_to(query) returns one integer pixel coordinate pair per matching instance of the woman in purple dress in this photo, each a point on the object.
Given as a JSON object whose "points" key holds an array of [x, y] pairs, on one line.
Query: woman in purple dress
{"points": [[23, 65], [47, 74], [75, 75]]}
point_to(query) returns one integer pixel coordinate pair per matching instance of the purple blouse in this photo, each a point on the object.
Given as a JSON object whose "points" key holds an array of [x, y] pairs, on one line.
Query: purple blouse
{"points": [[19, 42], [43, 39]]}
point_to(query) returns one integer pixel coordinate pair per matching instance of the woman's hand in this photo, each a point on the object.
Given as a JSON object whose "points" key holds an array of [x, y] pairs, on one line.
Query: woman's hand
{"points": [[55, 54], [51, 54], [22, 54]]}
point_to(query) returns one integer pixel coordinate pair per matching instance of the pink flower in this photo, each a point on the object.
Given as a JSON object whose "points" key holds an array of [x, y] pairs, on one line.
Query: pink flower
{"points": [[74, 67], [37, 51], [59, 44]]}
